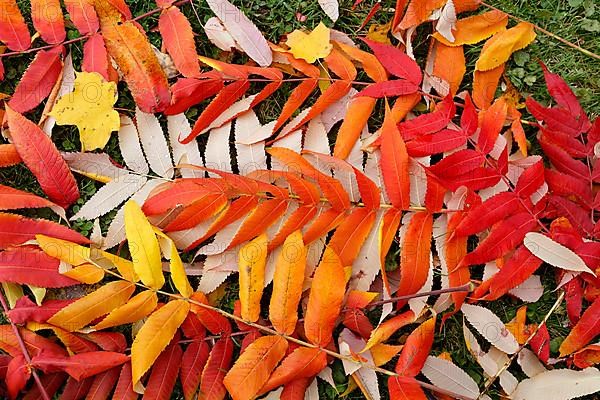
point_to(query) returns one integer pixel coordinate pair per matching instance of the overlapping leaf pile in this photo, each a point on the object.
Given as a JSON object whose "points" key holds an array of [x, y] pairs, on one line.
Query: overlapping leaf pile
{"points": [[304, 221]]}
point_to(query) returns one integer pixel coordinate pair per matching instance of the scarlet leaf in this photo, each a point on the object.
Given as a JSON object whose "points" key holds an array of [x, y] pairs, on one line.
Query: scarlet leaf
{"points": [[43, 159], [254, 366], [17, 375], [15, 229], [521, 265], [586, 329], [484, 215], [440, 142], [415, 253], [219, 361], [25, 310], [83, 15], [393, 88], [103, 384], [82, 365], [178, 38], [48, 20], [491, 125], [193, 362], [394, 164], [164, 373], [429, 123], [95, 56], [416, 349], [396, 61], [402, 388], [564, 96], [124, 389], [301, 363], [189, 91], [8, 155]]}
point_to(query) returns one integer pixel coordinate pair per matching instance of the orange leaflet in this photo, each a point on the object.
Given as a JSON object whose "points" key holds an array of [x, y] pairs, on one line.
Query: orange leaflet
{"points": [[402, 388], [352, 233], [303, 362], [200, 210], [369, 62], [450, 65], [252, 369], [485, 84], [8, 155], [14, 199], [491, 124], [259, 220], [584, 331], [416, 349], [83, 15], [455, 250], [287, 284], [386, 329], [48, 20], [138, 307], [415, 253], [133, 54], [476, 28], [325, 299], [178, 38], [252, 262], [357, 116], [419, 12], [322, 224], [394, 163], [212, 320], [389, 229], [13, 29]]}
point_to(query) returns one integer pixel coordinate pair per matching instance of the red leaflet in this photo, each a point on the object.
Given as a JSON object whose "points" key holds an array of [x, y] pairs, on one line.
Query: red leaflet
{"points": [[109, 341], [212, 320], [48, 20], [37, 81], [124, 389], [28, 265], [520, 266], [564, 96], [574, 299], [193, 362], [416, 349], [489, 212], [50, 382], [540, 344], [164, 374], [531, 180], [457, 164], [302, 363], [219, 361], [415, 253], [13, 29], [83, 15], [221, 103], [15, 229], [469, 119], [43, 159], [75, 390], [455, 251], [491, 125], [556, 119], [34, 342], [17, 375], [192, 328], [562, 161], [296, 390], [479, 178], [429, 123], [577, 216], [14, 199], [79, 366], [178, 39], [394, 163], [393, 88], [403, 388], [570, 144], [95, 56], [440, 142], [26, 310], [396, 62], [8, 155], [182, 192], [586, 329], [504, 236], [358, 322], [103, 384]]}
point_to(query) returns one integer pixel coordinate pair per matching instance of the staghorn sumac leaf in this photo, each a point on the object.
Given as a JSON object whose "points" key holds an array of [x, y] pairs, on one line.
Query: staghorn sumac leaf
{"points": [[95, 56], [13, 29], [178, 39], [491, 124], [80, 366], [490, 327], [502, 45], [415, 253], [212, 320], [164, 373], [554, 253], [154, 336], [124, 388], [584, 331], [43, 159], [486, 214], [86, 309], [254, 366], [9, 155], [192, 363], [132, 52], [136, 308], [17, 375], [559, 384], [189, 91], [25, 310], [287, 284], [405, 388], [83, 15], [429, 123], [252, 263], [396, 62], [16, 229], [393, 88], [394, 163], [416, 349], [520, 266], [325, 299], [303, 362], [217, 365], [103, 384], [48, 20], [476, 28]]}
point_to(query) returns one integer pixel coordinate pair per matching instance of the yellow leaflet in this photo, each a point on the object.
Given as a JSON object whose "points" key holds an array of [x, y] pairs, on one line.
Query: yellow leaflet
{"points": [[65, 251], [13, 292], [39, 293], [310, 46], [252, 262], [502, 45], [137, 308], [90, 108], [379, 33], [85, 273], [143, 246], [176, 267]]}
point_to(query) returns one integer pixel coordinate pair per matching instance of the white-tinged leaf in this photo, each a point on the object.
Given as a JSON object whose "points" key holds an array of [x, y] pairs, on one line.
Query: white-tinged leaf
{"points": [[447, 21], [116, 229], [97, 166], [109, 196], [367, 264], [445, 374], [530, 291], [250, 157], [315, 138], [293, 141], [154, 144], [243, 31], [131, 149], [440, 228], [490, 327], [312, 391], [183, 239], [418, 180], [366, 378], [235, 110], [373, 172], [530, 363], [331, 8], [216, 155], [559, 384], [554, 253], [178, 125], [218, 35]]}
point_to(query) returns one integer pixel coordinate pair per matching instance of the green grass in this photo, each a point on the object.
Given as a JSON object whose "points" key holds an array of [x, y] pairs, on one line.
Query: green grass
{"points": [[574, 20]]}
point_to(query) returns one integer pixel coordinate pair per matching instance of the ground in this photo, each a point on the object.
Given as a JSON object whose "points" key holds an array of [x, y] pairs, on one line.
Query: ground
{"points": [[574, 20]]}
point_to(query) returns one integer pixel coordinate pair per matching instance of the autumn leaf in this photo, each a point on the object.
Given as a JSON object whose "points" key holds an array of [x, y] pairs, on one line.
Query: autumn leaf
{"points": [[502, 45], [252, 262], [94, 116], [310, 46]]}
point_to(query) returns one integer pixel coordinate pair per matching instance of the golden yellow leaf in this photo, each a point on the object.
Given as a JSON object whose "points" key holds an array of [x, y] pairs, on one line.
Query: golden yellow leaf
{"points": [[154, 336], [502, 45], [90, 107], [138, 307], [476, 28], [310, 46], [252, 262], [13, 292], [102, 301], [379, 33], [143, 246], [85, 273], [63, 250], [178, 275]]}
